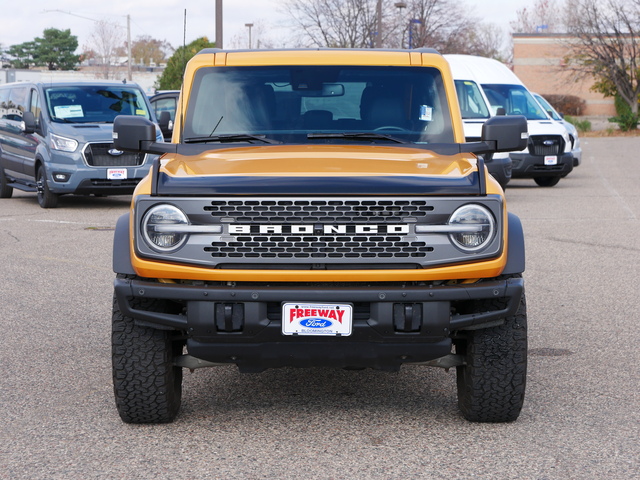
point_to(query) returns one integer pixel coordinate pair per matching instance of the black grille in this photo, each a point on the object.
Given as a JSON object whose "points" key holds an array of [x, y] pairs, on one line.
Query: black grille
{"points": [[323, 211], [546, 145], [319, 248], [319, 245], [97, 155]]}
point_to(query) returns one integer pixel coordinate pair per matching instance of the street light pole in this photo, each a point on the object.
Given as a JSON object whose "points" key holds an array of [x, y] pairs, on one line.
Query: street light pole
{"points": [[249, 25], [129, 75], [218, 23], [379, 24]]}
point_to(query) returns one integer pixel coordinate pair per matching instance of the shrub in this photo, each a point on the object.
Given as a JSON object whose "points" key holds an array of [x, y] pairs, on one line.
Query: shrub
{"points": [[626, 119], [581, 125], [566, 104]]}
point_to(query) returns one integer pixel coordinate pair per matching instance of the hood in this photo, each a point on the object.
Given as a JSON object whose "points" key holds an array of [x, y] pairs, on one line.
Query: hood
{"points": [[317, 169], [84, 132], [545, 127]]}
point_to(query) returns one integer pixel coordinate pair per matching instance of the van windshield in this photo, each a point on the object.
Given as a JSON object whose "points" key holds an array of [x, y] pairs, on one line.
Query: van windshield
{"points": [[550, 110], [472, 104], [94, 103], [515, 99], [305, 103]]}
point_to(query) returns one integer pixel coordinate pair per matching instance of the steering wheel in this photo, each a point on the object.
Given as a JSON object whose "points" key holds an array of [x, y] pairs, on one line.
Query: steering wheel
{"points": [[394, 128]]}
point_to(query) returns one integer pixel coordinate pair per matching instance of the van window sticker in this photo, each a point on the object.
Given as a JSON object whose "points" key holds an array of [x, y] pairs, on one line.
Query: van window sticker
{"points": [[68, 111]]}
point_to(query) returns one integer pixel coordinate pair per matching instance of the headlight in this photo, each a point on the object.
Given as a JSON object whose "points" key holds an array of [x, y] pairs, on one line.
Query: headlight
{"points": [[63, 144], [157, 228], [475, 227]]}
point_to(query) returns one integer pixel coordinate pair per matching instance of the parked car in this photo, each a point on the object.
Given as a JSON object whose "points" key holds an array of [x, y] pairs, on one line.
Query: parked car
{"points": [[57, 138], [164, 106], [475, 110], [576, 150], [547, 157]]}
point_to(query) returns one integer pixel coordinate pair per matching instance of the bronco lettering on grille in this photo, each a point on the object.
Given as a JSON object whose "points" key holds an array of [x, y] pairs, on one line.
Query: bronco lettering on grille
{"points": [[318, 229]]}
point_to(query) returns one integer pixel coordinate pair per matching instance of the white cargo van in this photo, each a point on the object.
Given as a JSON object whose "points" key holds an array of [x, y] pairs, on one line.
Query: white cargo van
{"points": [[475, 110], [547, 157]]}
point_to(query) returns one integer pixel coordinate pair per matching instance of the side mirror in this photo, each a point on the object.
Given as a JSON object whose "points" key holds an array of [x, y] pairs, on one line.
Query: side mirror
{"points": [[507, 133], [28, 124], [133, 134], [165, 121]]}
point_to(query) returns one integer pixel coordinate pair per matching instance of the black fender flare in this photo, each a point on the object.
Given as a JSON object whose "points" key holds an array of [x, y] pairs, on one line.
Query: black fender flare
{"points": [[121, 251], [515, 247]]}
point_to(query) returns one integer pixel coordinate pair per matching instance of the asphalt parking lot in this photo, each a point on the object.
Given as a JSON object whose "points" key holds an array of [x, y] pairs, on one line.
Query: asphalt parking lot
{"points": [[581, 418]]}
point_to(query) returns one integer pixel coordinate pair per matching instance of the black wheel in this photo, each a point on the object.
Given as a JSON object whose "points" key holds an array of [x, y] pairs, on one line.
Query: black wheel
{"points": [[5, 190], [146, 384], [492, 382], [46, 198], [547, 181]]}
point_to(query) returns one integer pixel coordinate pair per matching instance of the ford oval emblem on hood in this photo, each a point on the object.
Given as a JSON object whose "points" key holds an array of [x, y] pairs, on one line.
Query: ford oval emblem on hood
{"points": [[548, 143], [115, 152]]}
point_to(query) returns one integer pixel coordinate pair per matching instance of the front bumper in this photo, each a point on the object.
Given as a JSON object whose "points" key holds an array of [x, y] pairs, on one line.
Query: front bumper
{"points": [[242, 324], [525, 165]]}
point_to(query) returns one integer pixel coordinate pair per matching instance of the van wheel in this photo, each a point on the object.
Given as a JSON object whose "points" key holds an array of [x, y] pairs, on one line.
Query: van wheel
{"points": [[5, 190], [547, 181], [146, 384], [46, 198], [491, 383]]}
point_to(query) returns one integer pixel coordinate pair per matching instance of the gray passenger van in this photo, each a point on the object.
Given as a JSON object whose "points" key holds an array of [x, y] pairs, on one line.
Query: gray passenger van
{"points": [[56, 139]]}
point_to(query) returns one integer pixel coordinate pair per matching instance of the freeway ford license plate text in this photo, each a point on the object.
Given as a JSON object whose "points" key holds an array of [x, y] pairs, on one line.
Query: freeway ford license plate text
{"points": [[316, 319]]}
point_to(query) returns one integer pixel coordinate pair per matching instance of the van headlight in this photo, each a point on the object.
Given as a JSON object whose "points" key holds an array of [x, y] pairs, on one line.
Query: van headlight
{"points": [[63, 144], [474, 227], [161, 228]]}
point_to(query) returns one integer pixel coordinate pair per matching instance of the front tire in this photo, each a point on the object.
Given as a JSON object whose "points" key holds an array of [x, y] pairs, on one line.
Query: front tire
{"points": [[491, 384], [46, 198], [146, 384], [5, 190], [547, 181]]}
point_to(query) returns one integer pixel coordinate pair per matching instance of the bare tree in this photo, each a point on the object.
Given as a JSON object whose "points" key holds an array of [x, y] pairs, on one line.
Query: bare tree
{"points": [[105, 41], [606, 45], [546, 16], [335, 23], [410, 24]]}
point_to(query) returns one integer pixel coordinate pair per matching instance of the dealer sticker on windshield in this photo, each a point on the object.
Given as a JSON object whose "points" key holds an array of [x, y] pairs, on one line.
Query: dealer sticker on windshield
{"points": [[317, 319]]}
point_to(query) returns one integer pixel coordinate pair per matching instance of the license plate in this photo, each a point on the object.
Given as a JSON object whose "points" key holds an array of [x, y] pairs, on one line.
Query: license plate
{"points": [[550, 160], [116, 173], [317, 319]]}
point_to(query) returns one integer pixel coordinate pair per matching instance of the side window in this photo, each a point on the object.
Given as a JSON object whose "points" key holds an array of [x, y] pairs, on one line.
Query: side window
{"points": [[4, 103], [17, 103], [165, 105], [35, 105]]}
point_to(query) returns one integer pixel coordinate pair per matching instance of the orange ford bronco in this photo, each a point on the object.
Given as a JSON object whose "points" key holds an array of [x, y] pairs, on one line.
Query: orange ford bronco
{"points": [[319, 208]]}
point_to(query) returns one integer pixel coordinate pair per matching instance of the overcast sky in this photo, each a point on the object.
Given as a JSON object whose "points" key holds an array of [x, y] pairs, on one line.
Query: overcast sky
{"points": [[23, 20]]}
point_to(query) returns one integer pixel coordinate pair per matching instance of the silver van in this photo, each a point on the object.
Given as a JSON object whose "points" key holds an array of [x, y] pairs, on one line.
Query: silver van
{"points": [[56, 139]]}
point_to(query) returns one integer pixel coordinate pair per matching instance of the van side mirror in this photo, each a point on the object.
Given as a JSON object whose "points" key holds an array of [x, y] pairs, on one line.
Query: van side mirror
{"points": [[506, 133], [165, 120], [28, 124]]}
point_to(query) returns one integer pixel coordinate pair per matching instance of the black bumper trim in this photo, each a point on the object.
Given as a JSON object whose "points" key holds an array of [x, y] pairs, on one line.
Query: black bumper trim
{"points": [[126, 288]]}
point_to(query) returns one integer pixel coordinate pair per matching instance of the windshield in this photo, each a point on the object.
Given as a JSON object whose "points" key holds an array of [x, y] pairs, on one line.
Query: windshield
{"points": [[319, 103], [515, 99], [94, 103], [547, 106], [472, 105]]}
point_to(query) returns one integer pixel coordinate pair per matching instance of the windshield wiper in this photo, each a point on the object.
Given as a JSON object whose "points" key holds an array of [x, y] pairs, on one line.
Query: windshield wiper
{"points": [[240, 137], [358, 136]]}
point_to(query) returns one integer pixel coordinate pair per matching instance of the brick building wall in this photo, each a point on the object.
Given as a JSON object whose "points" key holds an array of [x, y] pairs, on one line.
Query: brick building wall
{"points": [[538, 62]]}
